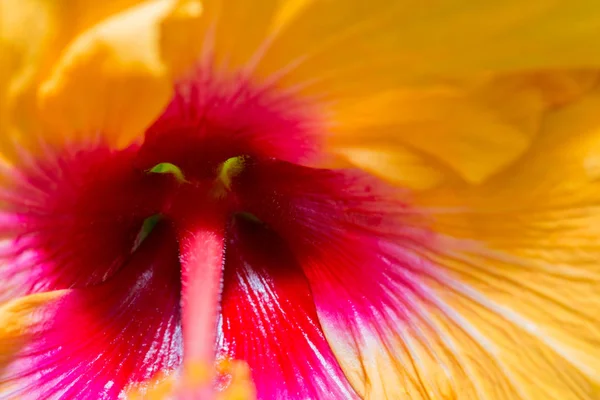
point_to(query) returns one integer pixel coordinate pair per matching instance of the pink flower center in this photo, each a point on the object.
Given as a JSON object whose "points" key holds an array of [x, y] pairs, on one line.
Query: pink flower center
{"points": [[214, 138], [224, 166]]}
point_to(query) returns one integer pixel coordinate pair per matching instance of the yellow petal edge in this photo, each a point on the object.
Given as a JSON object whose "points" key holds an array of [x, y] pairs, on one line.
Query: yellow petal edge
{"points": [[112, 78]]}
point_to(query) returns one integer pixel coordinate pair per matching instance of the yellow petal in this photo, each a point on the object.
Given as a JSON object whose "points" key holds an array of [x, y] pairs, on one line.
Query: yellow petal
{"points": [[352, 46], [399, 166], [16, 318], [25, 30], [232, 32], [180, 32], [387, 59], [89, 60], [111, 79], [32, 36], [502, 302], [476, 130]]}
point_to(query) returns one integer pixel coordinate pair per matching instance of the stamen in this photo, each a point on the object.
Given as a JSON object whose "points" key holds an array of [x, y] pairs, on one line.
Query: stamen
{"points": [[168, 168], [202, 273], [228, 170]]}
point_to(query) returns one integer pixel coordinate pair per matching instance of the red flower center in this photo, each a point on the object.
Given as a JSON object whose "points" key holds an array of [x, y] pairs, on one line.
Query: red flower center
{"points": [[251, 223]]}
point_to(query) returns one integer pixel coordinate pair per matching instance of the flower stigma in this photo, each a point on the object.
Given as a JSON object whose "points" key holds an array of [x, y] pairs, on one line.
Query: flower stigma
{"points": [[228, 170], [168, 168]]}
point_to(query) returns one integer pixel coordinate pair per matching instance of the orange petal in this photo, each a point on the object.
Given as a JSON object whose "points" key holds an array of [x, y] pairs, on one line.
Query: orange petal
{"points": [[474, 130], [352, 47], [89, 68], [502, 301], [32, 36], [111, 79]]}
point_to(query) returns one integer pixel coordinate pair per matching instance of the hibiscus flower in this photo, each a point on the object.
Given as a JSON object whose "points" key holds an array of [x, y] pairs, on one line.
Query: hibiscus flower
{"points": [[289, 199]]}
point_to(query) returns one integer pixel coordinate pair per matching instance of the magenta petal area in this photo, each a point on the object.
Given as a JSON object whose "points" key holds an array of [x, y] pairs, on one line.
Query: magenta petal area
{"points": [[70, 218], [213, 118], [91, 343], [268, 319], [299, 250], [362, 251]]}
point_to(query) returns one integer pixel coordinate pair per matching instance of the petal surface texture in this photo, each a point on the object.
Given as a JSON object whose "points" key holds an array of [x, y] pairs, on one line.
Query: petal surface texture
{"points": [[452, 303], [86, 69], [71, 218], [461, 86], [92, 343], [269, 320], [451, 251]]}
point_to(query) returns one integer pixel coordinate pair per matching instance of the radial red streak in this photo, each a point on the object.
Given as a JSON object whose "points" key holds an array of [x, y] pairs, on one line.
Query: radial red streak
{"points": [[202, 270]]}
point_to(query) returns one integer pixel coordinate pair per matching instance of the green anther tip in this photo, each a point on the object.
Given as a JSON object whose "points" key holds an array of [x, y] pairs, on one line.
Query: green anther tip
{"points": [[168, 168], [229, 169]]}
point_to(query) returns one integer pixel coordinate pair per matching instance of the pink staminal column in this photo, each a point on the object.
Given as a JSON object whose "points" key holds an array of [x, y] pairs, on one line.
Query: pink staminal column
{"points": [[202, 274], [202, 229], [201, 256]]}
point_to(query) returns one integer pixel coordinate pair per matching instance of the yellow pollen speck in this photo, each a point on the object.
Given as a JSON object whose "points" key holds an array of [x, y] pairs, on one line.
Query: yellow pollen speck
{"points": [[195, 378]]}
